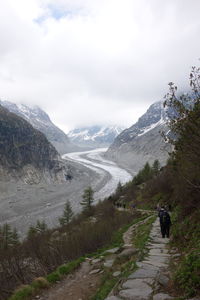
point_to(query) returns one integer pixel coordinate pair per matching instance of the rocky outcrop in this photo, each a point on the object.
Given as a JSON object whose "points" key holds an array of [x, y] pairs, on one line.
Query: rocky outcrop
{"points": [[40, 120], [142, 142], [25, 153]]}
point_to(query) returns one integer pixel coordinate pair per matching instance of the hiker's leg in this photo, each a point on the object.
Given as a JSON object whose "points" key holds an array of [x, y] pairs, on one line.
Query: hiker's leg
{"points": [[167, 230], [162, 230]]}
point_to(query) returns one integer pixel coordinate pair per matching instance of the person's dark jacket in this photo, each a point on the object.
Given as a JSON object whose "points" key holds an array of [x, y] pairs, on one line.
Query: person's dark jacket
{"points": [[164, 218]]}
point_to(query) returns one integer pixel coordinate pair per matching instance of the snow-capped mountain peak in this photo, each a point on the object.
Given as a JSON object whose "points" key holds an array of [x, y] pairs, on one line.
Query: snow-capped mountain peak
{"points": [[40, 120], [94, 136]]}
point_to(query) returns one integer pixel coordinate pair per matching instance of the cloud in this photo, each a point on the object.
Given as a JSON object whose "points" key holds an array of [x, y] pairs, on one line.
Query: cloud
{"points": [[89, 61]]}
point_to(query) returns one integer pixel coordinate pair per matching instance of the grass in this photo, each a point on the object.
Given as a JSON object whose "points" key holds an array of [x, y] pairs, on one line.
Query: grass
{"points": [[41, 283], [71, 266], [186, 238], [188, 274], [107, 283], [53, 277], [22, 293], [142, 236]]}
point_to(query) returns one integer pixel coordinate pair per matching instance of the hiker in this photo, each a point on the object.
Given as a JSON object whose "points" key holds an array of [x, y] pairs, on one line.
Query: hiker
{"points": [[165, 222]]}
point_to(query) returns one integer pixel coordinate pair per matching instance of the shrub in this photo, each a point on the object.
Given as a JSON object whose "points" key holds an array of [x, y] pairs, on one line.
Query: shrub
{"points": [[40, 283]]}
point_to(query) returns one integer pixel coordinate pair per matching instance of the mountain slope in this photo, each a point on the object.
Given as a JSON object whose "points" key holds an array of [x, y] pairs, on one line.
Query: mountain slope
{"points": [[41, 121], [94, 136], [142, 142], [25, 152]]}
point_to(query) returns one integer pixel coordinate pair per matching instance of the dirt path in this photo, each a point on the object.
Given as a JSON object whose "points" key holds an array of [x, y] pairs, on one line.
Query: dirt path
{"points": [[78, 286]]}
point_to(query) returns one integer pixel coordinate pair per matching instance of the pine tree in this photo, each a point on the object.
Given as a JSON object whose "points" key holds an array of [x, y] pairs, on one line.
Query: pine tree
{"points": [[32, 231], [41, 226], [156, 166], [6, 236], [87, 198], [119, 187], [67, 214], [15, 237]]}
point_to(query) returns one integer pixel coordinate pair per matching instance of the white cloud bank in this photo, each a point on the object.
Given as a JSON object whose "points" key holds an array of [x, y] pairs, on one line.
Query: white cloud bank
{"points": [[95, 61]]}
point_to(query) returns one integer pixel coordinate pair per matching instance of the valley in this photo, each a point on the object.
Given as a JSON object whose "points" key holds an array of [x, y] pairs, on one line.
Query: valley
{"points": [[21, 205]]}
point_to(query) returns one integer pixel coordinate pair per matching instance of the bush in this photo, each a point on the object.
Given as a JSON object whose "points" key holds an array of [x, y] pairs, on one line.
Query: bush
{"points": [[40, 283]]}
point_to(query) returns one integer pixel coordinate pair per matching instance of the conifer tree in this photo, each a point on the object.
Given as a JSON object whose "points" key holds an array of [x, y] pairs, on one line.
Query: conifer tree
{"points": [[41, 226], [87, 198], [156, 166], [15, 237], [67, 214], [119, 187], [8, 237], [32, 231]]}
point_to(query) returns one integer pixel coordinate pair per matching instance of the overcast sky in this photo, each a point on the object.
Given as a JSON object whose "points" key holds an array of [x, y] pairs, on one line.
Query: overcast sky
{"points": [[96, 61]]}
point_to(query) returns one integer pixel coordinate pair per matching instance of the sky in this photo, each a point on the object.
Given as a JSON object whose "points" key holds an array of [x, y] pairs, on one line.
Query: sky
{"points": [[102, 62]]}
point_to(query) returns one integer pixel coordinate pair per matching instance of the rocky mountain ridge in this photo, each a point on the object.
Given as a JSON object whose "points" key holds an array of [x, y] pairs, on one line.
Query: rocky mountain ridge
{"points": [[95, 136], [25, 153], [142, 142], [40, 120]]}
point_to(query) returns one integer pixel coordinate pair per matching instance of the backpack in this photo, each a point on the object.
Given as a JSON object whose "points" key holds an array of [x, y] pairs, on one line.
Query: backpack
{"points": [[164, 218]]}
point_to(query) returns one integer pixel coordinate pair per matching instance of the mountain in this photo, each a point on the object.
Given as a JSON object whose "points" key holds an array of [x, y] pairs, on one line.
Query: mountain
{"points": [[25, 153], [142, 142], [94, 136], [41, 121]]}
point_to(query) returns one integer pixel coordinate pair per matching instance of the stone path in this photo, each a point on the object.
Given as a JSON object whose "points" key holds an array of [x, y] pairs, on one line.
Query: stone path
{"points": [[147, 282]]}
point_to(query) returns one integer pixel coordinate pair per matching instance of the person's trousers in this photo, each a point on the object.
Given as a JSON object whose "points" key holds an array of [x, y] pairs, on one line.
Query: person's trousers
{"points": [[165, 230]]}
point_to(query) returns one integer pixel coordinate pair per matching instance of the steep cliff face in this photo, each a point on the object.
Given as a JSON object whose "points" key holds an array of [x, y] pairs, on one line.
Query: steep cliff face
{"points": [[142, 142], [25, 153], [40, 120]]}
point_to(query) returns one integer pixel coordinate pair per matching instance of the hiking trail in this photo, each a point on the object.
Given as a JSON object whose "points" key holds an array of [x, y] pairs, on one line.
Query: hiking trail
{"points": [[148, 282]]}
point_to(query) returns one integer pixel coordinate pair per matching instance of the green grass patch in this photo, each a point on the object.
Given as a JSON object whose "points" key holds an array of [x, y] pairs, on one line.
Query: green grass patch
{"points": [[22, 293], [188, 274], [142, 236], [71, 266], [53, 277], [107, 283]]}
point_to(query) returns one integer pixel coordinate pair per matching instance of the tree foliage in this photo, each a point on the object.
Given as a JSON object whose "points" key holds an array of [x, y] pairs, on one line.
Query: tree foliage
{"points": [[67, 214], [186, 156], [147, 173], [8, 237], [87, 198]]}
